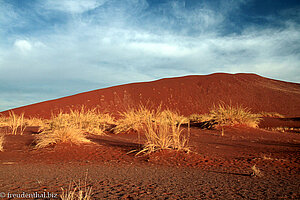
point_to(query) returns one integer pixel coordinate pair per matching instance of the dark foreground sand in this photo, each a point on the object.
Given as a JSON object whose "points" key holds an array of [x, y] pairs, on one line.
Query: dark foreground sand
{"points": [[111, 181]]}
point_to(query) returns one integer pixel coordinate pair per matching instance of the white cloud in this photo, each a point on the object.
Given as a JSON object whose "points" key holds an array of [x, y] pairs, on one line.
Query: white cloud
{"points": [[87, 53], [72, 6], [23, 45]]}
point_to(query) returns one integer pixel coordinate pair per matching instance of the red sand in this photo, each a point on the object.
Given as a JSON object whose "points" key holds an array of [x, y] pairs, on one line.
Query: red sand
{"points": [[189, 94], [219, 167]]}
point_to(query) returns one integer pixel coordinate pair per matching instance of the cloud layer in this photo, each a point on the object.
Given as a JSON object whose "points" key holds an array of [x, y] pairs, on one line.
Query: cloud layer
{"points": [[50, 49]]}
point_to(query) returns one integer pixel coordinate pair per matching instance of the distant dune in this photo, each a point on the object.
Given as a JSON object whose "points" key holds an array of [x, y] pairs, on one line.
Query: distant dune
{"points": [[188, 94]]}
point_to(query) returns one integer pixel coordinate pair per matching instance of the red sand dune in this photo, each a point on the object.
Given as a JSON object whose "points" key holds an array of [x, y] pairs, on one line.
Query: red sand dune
{"points": [[189, 94]]}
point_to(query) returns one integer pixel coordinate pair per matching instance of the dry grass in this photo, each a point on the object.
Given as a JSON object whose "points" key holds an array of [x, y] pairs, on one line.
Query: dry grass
{"points": [[71, 127], [61, 135], [77, 192], [198, 118], [2, 138], [133, 119], [33, 121], [271, 114], [284, 129], [256, 171], [164, 133], [227, 115], [90, 121], [15, 122], [136, 118]]}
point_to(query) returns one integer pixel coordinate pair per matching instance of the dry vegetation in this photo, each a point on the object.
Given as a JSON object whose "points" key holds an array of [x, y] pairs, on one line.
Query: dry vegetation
{"points": [[15, 123], [256, 171], [284, 129], [227, 115], [165, 133], [90, 121], [162, 128], [72, 126], [271, 114], [61, 135], [77, 192], [136, 118], [1, 141]]}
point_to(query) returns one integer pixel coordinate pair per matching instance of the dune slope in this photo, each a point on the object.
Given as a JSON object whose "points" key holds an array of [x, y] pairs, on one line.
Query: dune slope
{"points": [[189, 94]]}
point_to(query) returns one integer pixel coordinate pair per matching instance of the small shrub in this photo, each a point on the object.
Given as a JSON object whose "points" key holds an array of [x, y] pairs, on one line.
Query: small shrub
{"points": [[61, 135]]}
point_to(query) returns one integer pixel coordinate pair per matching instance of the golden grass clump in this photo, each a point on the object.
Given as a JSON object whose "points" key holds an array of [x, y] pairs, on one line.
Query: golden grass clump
{"points": [[90, 121], [229, 116], [71, 127], [16, 123], [171, 117], [133, 119], [164, 133], [33, 121], [2, 138], [61, 135], [136, 118]]}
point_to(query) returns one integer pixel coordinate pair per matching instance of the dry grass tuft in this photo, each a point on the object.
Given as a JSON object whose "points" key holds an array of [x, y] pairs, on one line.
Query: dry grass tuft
{"points": [[133, 119], [227, 115], [2, 138], [61, 135], [70, 127], [164, 133], [136, 118], [271, 114], [90, 121], [77, 192], [15, 122], [36, 122], [256, 171]]}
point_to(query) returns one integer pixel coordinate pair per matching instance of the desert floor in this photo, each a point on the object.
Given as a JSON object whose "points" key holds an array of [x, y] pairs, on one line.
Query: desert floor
{"points": [[218, 167]]}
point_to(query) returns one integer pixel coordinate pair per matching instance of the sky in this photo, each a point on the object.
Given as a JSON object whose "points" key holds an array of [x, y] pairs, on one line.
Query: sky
{"points": [[55, 48]]}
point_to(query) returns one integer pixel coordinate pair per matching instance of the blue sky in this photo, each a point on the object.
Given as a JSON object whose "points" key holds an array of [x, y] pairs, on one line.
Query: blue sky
{"points": [[55, 48]]}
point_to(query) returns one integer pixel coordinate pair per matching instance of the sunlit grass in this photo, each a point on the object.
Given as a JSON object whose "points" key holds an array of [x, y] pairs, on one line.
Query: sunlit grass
{"points": [[61, 135], [136, 118], [165, 132], [86, 120], [15, 123], [76, 191], [227, 115], [271, 114], [2, 138]]}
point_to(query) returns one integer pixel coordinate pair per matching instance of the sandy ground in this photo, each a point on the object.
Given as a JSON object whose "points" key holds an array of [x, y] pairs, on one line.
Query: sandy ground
{"points": [[219, 167]]}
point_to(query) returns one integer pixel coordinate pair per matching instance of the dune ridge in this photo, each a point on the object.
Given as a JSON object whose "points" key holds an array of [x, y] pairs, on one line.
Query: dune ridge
{"points": [[187, 95]]}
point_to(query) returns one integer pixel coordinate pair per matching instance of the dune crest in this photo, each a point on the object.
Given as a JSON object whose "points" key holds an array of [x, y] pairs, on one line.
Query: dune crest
{"points": [[188, 95]]}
